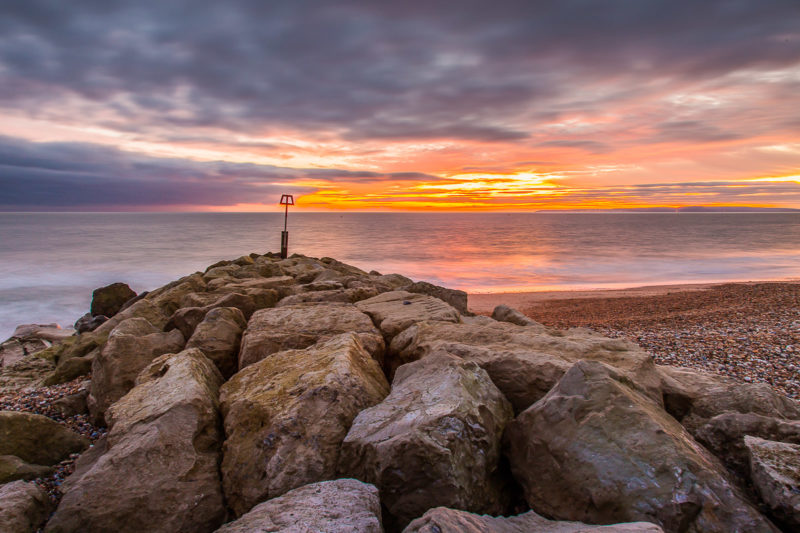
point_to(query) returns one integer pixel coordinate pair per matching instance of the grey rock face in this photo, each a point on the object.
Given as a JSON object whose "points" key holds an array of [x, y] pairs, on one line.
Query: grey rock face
{"points": [[775, 471], [218, 337], [23, 507], [286, 417], [435, 440], [392, 312], [157, 469], [597, 450], [340, 506]]}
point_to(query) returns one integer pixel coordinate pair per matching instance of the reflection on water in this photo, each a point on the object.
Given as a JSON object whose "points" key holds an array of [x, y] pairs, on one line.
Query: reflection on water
{"points": [[51, 262]]}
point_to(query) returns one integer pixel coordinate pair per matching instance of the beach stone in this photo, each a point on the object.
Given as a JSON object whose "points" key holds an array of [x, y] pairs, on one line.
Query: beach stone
{"points": [[218, 337], [74, 404], [694, 398], [434, 441], [24, 507], [108, 300], [131, 346], [724, 436], [775, 472], [186, 320], [456, 298], [597, 450], [286, 416], [37, 439], [89, 323], [392, 312], [157, 469], [444, 520], [524, 362], [299, 326], [503, 313], [13, 468], [339, 506]]}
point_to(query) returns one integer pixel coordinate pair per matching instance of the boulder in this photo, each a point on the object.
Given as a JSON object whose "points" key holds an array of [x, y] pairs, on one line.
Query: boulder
{"points": [[443, 520], [168, 298], [300, 326], [775, 472], [131, 346], [246, 303], [524, 362], [338, 295], [503, 313], [389, 282], [89, 323], [53, 333], [69, 369], [14, 350], [392, 312], [286, 416], [339, 506], [74, 404], [218, 336], [37, 439], [157, 470], [13, 468], [24, 507], [30, 371], [596, 449], [186, 320], [457, 299], [694, 398], [141, 309], [724, 436], [434, 441], [108, 300]]}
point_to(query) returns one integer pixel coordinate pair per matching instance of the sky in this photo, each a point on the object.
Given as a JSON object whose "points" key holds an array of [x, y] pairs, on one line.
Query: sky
{"points": [[374, 105]]}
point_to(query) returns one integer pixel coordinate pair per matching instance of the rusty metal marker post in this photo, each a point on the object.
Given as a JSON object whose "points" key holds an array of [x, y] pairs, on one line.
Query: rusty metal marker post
{"points": [[287, 200]]}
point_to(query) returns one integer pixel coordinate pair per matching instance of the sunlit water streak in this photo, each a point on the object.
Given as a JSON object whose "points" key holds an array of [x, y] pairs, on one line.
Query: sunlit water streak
{"points": [[50, 263]]}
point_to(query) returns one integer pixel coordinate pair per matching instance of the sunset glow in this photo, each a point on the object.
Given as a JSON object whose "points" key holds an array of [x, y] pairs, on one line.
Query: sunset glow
{"points": [[361, 107]]}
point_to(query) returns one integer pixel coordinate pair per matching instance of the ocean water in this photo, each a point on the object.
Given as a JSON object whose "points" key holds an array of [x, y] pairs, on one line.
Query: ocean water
{"points": [[51, 262]]}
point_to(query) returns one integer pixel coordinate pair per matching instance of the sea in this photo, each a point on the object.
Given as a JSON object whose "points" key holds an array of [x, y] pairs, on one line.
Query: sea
{"points": [[51, 262]]}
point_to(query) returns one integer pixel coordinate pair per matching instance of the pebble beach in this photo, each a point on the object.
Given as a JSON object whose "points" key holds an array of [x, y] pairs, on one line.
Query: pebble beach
{"points": [[749, 332]]}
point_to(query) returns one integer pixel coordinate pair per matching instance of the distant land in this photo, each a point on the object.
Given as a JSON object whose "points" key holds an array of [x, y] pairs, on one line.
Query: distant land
{"points": [[686, 209]]}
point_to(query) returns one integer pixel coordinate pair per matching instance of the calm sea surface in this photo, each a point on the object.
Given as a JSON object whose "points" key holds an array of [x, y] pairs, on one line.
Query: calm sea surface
{"points": [[49, 263]]}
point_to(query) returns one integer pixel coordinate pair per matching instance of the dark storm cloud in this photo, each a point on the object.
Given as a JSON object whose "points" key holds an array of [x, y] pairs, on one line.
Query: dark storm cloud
{"points": [[390, 70], [77, 175]]}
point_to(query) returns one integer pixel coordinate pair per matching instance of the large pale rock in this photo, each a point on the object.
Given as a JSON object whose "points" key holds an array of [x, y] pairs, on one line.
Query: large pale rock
{"points": [[28, 372], [186, 319], [168, 298], [394, 311], [694, 398], [37, 439], [337, 295], [724, 436], [246, 303], [443, 520], [218, 336], [286, 416], [435, 440], [595, 449], [339, 506], [775, 472], [53, 332], [141, 309], [157, 470], [299, 326], [456, 298], [524, 362], [108, 300], [132, 346], [23, 507]]}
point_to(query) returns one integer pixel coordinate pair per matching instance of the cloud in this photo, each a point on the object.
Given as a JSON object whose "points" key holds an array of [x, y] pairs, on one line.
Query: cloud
{"points": [[79, 175], [365, 69]]}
